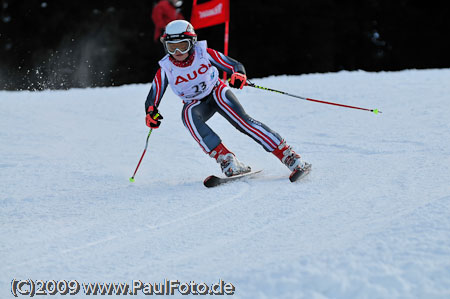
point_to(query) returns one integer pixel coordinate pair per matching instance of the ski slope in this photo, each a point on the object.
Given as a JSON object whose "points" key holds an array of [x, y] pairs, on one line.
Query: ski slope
{"points": [[372, 219]]}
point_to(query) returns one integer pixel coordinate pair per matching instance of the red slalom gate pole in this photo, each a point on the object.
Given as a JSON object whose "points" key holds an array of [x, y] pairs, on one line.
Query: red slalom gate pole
{"points": [[225, 46], [375, 111]]}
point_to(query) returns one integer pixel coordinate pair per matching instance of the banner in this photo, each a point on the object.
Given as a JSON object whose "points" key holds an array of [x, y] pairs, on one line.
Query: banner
{"points": [[210, 13]]}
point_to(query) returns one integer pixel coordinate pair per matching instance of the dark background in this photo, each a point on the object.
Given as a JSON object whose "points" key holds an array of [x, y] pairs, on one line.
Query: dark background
{"points": [[61, 44]]}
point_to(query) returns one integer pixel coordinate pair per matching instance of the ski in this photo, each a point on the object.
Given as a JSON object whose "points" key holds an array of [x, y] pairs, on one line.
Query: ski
{"points": [[214, 181], [300, 173]]}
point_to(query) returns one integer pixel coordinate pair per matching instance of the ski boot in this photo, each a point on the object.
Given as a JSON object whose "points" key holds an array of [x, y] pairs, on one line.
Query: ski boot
{"points": [[292, 160], [229, 164]]}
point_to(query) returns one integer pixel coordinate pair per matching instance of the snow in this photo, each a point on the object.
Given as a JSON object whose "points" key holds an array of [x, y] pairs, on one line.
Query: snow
{"points": [[372, 219]]}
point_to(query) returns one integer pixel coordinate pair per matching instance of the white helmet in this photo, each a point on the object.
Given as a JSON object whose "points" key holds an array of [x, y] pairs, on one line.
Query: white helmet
{"points": [[179, 35]]}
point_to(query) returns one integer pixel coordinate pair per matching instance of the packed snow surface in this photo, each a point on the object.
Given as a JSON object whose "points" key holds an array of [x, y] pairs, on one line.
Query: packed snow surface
{"points": [[372, 219]]}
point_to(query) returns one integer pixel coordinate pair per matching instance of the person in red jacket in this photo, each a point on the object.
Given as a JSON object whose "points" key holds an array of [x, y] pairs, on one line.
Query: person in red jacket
{"points": [[164, 12]]}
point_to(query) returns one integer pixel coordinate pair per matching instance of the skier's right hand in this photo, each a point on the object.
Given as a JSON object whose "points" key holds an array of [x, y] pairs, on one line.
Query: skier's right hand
{"points": [[153, 117]]}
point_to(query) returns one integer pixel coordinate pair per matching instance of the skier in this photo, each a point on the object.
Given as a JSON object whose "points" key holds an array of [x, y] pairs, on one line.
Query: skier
{"points": [[191, 70]]}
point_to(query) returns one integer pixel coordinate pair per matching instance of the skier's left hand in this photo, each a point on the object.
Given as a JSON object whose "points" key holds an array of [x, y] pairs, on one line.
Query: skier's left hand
{"points": [[238, 80]]}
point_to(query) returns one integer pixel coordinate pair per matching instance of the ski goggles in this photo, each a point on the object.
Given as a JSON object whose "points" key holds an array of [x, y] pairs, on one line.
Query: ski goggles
{"points": [[183, 46]]}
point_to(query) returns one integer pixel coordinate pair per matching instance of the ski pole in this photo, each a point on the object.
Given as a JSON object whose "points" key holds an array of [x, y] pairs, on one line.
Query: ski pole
{"points": [[145, 150], [376, 111]]}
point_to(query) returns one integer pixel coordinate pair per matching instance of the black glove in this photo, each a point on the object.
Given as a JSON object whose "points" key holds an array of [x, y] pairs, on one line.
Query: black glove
{"points": [[153, 117]]}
